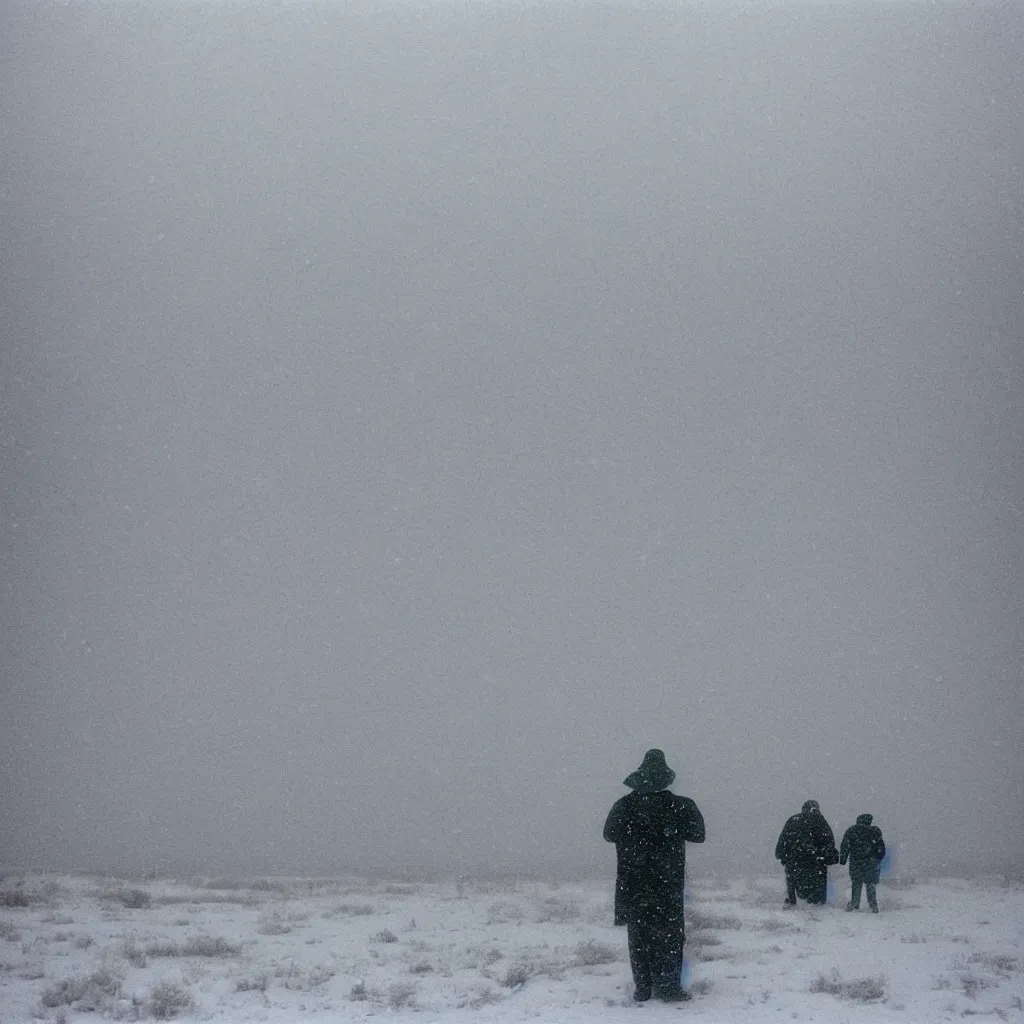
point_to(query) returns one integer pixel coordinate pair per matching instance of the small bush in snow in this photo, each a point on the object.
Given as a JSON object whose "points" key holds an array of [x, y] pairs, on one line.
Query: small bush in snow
{"points": [[1001, 963], [863, 990], [14, 898], [197, 945], [558, 910], [972, 984], [354, 909], [516, 975], [592, 953], [384, 936], [698, 920], [134, 899], [168, 999], [133, 952], [531, 966], [401, 995], [485, 996], [258, 983], [89, 991], [359, 993], [230, 884], [207, 945], [273, 924], [504, 912], [776, 926], [297, 980]]}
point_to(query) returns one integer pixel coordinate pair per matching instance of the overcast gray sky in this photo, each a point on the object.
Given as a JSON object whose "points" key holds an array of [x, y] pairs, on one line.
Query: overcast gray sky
{"points": [[412, 415]]}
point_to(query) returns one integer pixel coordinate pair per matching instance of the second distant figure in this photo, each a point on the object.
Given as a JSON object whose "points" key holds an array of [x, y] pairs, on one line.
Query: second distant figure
{"points": [[806, 848], [864, 847]]}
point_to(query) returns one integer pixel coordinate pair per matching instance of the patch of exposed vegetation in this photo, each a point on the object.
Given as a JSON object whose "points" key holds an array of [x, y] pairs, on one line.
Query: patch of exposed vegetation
{"points": [[861, 990]]}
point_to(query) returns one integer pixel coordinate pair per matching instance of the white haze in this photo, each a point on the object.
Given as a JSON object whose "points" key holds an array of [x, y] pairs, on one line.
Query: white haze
{"points": [[413, 413]]}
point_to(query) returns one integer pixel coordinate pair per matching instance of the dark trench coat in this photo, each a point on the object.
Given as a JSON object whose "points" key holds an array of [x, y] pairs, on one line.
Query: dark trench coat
{"points": [[650, 832]]}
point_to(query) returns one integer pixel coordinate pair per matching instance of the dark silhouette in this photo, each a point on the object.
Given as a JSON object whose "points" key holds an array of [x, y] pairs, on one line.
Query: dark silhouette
{"points": [[650, 828], [806, 848], [864, 847]]}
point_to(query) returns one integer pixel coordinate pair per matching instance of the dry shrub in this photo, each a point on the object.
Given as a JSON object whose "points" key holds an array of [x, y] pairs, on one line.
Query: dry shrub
{"points": [[971, 984], [592, 953], [133, 952], [698, 920], [484, 996], [267, 885], [354, 909], [273, 924], [359, 993], [87, 991], [862, 990], [168, 999], [558, 910], [298, 980], [230, 884], [14, 898], [196, 945], [132, 899], [258, 983], [1000, 963], [504, 912], [532, 966], [776, 926], [386, 935], [401, 995], [207, 945], [401, 890], [516, 975]]}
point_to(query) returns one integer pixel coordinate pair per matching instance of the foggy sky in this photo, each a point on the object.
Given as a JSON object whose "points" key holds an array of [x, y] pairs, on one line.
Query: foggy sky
{"points": [[413, 413]]}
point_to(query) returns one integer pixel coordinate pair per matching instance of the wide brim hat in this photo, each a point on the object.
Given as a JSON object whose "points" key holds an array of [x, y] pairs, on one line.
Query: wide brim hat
{"points": [[652, 775]]}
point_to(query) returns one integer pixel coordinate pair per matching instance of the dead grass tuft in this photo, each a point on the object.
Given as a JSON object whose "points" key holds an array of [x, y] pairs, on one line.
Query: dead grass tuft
{"points": [[131, 899], [85, 991], [971, 984], [401, 995], [591, 953], [1000, 963], [558, 910], [861, 990], [257, 983], [273, 924], [699, 920], [354, 909], [168, 999], [196, 945]]}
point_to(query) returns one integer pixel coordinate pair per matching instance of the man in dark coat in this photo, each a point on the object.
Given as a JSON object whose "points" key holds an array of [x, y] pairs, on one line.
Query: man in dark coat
{"points": [[864, 847], [806, 848], [650, 828]]}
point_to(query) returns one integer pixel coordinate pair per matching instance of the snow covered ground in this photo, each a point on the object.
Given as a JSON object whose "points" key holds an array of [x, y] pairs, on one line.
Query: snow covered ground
{"points": [[83, 948]]}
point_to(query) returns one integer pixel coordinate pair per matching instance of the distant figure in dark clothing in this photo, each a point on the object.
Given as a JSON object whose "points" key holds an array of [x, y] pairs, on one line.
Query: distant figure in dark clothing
{"points": [[650, 828], [806, 848], [864, 847]]}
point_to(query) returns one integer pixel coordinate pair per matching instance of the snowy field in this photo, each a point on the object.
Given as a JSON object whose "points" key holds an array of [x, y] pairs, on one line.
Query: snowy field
{"points": [[84, 948]]}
